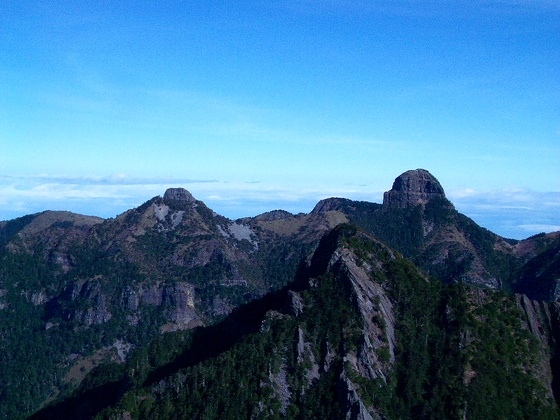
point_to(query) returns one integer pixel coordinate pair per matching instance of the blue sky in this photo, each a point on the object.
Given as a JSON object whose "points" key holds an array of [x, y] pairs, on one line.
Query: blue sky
{"points": [[254, 106]]}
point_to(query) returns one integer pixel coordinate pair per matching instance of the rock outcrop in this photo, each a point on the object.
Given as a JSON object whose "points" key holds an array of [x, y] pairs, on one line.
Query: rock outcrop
{"points": [[412, 188], [353, 404], [96, 308], [542, 320], [376, 311], [179, 299], [177, 195]]}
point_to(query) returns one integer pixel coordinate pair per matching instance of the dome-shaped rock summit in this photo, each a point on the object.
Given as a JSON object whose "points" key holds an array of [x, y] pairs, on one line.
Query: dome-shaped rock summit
{"points": [[177, 195], [412, 188]]}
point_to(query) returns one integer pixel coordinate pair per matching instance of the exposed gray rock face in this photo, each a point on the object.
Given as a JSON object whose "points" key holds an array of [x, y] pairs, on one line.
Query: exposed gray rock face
{"points": [[279, 382], [39, 298], [242, 231], [542, 320], [177, 195], [412, 188], [97, 311], [377, 315], [305, 355], [355, 408], [295, 304], [180, 299]]}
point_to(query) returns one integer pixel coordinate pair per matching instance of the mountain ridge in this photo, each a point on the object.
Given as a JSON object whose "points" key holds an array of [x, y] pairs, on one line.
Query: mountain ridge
{"points": [[338, 331], [81, 289]]}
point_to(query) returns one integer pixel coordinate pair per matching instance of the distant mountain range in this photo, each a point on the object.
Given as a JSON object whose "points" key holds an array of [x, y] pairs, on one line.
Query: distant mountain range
{"points": [[356, 310]]}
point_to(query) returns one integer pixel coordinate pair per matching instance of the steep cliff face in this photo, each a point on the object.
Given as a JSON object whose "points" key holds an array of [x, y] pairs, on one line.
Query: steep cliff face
{"points": [[540, 272], [96, 310], [542, 320], [376, 310]]}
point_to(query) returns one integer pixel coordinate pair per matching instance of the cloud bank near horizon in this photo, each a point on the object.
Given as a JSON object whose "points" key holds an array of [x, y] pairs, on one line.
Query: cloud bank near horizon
{"points": [[516, 212], [513, 212]]}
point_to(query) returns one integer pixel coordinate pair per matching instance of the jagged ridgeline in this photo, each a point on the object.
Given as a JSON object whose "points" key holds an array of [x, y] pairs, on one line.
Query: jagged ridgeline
{"points": [[355, 310]]}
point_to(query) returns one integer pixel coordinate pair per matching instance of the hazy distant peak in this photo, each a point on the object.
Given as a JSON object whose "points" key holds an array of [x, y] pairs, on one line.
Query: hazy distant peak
{"points": [[412, 188], [329, 204], [274, 215], [44, 220]]}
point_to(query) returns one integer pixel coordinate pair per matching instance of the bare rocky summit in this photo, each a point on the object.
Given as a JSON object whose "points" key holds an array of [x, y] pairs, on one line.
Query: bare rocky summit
{"points": [[181, 195], [412, 188]]}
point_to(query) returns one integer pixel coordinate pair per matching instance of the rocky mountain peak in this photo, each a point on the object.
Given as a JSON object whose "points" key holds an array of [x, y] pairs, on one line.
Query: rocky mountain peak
{"points": [[412, 188], [177, 195]]}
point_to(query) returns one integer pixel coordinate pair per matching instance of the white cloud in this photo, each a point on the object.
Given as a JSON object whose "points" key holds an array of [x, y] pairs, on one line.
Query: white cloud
{"points": [[505, 198], [111, 195], [463, 193], [513, 212], [540, 228]]}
